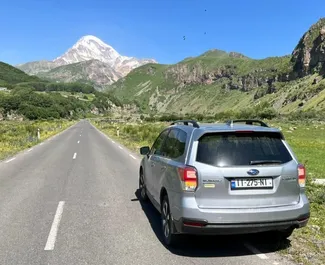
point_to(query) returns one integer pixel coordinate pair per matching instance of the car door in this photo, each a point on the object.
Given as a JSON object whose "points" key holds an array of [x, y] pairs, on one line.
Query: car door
{"points": [[170, 157], [153, 158]]}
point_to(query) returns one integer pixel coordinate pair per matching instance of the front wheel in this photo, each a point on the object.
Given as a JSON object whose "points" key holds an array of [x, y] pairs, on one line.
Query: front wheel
{"points": [[167, 223], [142, 187]]}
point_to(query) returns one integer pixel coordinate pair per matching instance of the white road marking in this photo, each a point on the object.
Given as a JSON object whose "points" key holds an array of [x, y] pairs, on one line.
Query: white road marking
{"points": [[74, 156], [78, 142], [30, 150], [54, 229], [41, 143], [132, 156], [80, 134], [256, 251], [276, 263], [113, 142], [120, 147], [12, 159]]}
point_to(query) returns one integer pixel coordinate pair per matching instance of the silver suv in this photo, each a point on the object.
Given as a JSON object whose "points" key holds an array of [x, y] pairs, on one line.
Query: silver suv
{"points": [[230, 178]]}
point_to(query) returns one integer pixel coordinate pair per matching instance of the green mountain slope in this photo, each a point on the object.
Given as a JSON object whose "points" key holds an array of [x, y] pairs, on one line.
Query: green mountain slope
{"points": [[218, 81], [10, 75], [33, 98]]}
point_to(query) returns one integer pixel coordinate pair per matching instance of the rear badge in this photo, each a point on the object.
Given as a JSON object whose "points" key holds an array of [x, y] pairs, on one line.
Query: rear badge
{"points": [[209, 185], [253, 172]]}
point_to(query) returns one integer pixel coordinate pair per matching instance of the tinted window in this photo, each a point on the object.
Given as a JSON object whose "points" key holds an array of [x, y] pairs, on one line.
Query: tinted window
{"points": [[174, 145], [156, 148], [231, 149]]}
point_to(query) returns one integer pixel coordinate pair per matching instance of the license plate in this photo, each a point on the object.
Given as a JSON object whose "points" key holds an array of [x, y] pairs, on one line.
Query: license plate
{"points": [[252, 183]]}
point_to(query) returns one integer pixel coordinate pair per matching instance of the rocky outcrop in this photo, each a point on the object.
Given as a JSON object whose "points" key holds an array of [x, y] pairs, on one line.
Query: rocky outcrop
{"points": [[309, 55], [183, 75]]}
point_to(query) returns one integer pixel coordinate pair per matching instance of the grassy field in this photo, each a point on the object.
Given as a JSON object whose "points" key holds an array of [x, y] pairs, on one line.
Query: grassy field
{"points": [[17, 136], [307, 245]]}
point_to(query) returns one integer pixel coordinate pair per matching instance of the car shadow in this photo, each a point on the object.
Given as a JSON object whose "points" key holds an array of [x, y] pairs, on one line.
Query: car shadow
{"points": [[211, 246]]}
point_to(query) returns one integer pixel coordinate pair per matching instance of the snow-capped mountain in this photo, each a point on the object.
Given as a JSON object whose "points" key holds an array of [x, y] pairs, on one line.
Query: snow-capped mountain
{"points": [[88, 48]]}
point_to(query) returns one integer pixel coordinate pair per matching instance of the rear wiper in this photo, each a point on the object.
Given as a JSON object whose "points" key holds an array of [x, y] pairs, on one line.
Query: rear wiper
{"points": [[261, 162]]}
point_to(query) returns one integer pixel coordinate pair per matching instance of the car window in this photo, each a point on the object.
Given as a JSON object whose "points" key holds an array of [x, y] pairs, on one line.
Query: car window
{"points": [[240, 149], [156, 147], [174, 145]]}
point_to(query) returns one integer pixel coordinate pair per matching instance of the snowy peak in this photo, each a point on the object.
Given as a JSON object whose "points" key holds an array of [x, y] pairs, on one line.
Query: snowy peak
{"points": [[87, 40], [89, 48]]}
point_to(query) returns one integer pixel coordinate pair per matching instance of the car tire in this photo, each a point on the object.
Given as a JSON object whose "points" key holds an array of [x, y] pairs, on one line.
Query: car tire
{"points": [[166, 223], [142, 187]]}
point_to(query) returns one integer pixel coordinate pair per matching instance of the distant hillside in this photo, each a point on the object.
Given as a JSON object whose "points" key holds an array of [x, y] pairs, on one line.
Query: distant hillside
{"points": [[85, 72], [10, 75], [218, 81]]}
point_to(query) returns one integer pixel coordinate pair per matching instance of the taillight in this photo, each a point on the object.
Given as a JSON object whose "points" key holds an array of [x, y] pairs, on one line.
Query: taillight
{"points": [[301, 175], [188, 177]]}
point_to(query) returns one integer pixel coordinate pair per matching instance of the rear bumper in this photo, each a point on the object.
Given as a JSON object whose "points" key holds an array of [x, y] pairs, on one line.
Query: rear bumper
{"points": [[202, 227], [239, 221]]}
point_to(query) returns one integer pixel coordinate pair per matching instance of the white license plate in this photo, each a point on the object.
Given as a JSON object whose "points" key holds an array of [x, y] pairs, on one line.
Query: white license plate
{"points": [[252, 183]]}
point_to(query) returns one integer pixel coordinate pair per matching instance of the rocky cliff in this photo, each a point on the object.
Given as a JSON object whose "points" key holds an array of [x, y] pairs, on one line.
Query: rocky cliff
{"points": [[309, 55]]}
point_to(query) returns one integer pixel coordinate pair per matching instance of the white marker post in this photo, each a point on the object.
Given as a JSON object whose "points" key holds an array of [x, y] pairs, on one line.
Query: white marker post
{"points": [[38, 134]]}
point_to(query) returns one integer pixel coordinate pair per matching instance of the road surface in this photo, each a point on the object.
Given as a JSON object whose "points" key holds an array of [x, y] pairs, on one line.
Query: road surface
{"points": [[72, 200]]}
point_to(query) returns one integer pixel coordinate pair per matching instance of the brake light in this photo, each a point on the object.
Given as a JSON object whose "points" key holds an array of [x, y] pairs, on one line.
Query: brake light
{"points": [[242, 131], [188, 177], [301, 175]]}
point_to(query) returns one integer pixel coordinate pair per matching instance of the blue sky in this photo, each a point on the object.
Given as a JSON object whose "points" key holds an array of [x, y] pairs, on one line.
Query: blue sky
{"points": [[44, 29]]}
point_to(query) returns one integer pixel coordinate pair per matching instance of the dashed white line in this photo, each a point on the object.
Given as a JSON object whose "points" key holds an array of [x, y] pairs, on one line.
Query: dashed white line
{"points": [[256, 251], [74, 156], [41, 143], [78, 142], [113, 142], [80, 134], [276, 263], [54, 229], [132, 156], [12, 159], [29, 150], [120, 147]]}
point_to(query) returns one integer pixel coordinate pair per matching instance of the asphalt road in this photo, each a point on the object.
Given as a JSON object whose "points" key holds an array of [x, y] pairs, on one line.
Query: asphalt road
{"points": [[72, 200]]}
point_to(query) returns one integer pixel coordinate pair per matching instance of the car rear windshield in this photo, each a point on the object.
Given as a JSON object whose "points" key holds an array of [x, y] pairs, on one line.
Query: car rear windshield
{"points": [[240, 149]]}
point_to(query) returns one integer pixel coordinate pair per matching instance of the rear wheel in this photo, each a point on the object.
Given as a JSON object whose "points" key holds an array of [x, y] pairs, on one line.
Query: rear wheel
{"points": [[167, 223], [142, 187]]}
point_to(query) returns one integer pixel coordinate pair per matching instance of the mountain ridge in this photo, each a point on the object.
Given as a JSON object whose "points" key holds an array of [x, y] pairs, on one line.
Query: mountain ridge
{"points": [[217, 81]]}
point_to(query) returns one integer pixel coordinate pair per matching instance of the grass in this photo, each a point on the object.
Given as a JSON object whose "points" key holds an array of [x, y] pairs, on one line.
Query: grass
{"points": [[17, 136], [307, 141]]}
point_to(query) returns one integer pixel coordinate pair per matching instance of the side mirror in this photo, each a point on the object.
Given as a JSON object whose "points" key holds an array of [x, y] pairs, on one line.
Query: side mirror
{"points": [[144, 150]]}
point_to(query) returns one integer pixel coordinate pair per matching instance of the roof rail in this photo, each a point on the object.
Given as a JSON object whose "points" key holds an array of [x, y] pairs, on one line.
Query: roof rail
{"points": [[186, 122], [248, 122]]}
